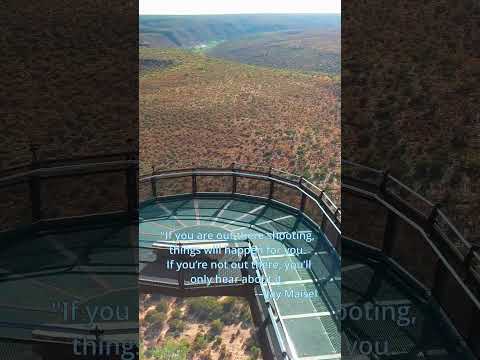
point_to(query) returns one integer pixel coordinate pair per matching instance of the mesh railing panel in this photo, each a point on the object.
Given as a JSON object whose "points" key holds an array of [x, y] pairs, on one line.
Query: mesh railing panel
{"points": [[363, 219], [254, 187], [313, 211], [174, 186], [366, 174], [287, 195], [331, 233], [83, 194], [67, 189], [145, 192], [408, 196], [451, 235], [15, 208], [413, 253], [214, 184]]}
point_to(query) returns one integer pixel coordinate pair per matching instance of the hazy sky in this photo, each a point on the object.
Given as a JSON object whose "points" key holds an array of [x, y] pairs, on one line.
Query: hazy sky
{"points": [[193, 7]]}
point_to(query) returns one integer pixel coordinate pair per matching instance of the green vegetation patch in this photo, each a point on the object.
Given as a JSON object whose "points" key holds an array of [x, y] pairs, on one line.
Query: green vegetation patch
{"points": [[317, 51]]}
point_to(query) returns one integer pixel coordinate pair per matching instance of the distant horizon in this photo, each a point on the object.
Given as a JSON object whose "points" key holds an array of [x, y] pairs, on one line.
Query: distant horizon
{"points": [[239, 7], [222, 14]]}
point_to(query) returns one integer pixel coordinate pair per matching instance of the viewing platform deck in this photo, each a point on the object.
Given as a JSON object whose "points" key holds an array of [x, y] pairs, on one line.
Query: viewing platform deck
{"points": [[299, 276], [285, 231]]}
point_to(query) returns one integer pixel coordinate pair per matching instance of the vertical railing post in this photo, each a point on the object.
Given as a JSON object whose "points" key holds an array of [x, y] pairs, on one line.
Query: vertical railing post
{"points": [[244, 271], [383, 183], [194, 183], [234, 179], [304, 196], [432, 217], [153, 183], [35, 186], [132, 183], [388, 234], [181, 273], [320, 199], [270, 193]]}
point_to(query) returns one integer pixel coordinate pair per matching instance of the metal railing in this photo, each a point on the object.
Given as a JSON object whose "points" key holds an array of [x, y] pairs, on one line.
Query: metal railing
{"points": [[413, 205], [292, 191], [412, 233], [51, 195], [46, 191]]}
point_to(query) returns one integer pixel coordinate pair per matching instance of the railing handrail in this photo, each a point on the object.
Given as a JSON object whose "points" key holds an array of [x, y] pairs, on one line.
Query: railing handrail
{"points": [[253, 174], [410, 190], [64, 168], [361, 166], [34, 175], [436, 214], [54, 162], [234, 166], [67, 328]]}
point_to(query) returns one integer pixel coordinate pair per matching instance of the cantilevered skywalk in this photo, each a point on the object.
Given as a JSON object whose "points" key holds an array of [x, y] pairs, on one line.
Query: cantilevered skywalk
{"points": [[296, 265]]}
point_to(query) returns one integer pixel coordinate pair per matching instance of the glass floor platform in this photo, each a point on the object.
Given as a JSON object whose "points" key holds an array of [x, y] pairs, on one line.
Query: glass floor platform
{"points": [[303, 274]]}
